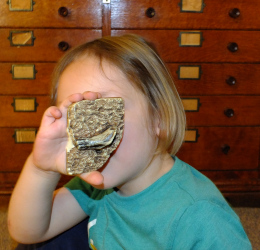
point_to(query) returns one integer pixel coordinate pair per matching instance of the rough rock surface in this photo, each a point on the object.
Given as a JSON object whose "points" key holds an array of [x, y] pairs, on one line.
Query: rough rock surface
{"points": [[95, 129]]}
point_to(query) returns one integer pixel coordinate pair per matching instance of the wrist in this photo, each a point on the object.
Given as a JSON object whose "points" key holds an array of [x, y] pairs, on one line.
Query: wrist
{"points": [[41, 172]]}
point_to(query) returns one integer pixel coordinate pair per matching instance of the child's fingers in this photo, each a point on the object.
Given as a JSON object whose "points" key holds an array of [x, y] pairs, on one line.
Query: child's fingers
{"points": [[91, 95], [93, 178], [50, 115], [79, 97], [72, 99]]}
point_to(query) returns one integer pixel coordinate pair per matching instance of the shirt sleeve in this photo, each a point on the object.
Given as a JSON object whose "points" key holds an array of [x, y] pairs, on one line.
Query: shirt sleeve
{"points": [[85, 194], [206, 225]]}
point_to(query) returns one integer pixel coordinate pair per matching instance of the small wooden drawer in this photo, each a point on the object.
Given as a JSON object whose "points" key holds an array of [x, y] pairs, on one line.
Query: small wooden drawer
{"points": [[8, 179], [26, 111], [195, 14], [235, 180], [13, 154], [26, 78], [43, 45], [87, 14], [224, 111], [216, 79], [216, 45], [224, 148]]}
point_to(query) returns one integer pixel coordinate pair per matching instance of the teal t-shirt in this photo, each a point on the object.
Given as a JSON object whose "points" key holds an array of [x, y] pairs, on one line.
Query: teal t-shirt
{"points": [[181, 210]]}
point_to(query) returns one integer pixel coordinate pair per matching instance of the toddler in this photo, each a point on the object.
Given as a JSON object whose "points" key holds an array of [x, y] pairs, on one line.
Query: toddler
{"points": [[144, 197]]}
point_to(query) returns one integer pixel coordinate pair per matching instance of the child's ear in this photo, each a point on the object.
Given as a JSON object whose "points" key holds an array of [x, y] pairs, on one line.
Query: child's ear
{"points": [[158, 131], [157, 126]]}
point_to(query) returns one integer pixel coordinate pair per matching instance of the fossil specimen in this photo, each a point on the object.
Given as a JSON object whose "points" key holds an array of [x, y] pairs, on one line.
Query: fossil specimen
{"points": [[95, 129]]}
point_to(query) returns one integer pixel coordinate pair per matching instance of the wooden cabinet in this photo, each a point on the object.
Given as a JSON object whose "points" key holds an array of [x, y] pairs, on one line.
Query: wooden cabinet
{"points": [[212, 51], [45, 14], [185, 14], [210, 47], [41, 44], [33, 36]]}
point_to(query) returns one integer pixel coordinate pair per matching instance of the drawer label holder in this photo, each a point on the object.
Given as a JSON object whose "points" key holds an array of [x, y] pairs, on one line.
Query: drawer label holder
{"points": [[20, 5], [192, 6], [191, 135], [21, 38], [23, 71], [191, 104], [25, 104], [190, 39], [189, 72], [24, 135]]}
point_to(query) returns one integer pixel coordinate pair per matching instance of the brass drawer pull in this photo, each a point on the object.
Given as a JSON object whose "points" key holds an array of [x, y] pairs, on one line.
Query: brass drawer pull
{"points": [[150, 12], [225, 149], [63, 46], [24, 104], [20, 5], [229, 113], [232, 47], [63, 11], [231, 81], [234, 13], [26, 135]]}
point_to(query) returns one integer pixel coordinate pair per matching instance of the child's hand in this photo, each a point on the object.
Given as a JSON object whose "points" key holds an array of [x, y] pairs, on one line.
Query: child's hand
{"points": [[49, 152]]}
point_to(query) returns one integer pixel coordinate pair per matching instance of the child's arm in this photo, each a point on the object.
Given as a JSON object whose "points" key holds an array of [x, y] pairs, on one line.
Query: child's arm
{"points": [[36, 212]]}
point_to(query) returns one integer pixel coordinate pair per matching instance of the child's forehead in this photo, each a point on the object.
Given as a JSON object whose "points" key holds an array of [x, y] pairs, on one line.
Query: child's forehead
{"points": [[87, 74]]}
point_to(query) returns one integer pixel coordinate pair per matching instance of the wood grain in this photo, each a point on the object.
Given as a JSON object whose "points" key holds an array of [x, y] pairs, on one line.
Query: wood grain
{"points": [[45, 48], [168, 15], [10, 118], [207, 154], [41, 85], [84, 14], [211, 111], [213, 49], [213, 79]]}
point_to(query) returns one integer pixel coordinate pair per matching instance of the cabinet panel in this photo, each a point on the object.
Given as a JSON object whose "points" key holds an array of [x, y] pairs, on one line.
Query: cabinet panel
{"points": [[218, 79], [13, 155], [223, 148], [49, 44], [9, 179], [167, 14], [49, 13], [225, 111], [12, 118], [235, 181], [214, 46], [40, 85]]}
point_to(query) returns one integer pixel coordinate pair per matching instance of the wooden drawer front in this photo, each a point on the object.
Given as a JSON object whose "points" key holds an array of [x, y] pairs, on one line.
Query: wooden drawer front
{"points": [[215, 79], [225, 111], [18, 111], [214, 47], [224, 148], [13, 155], [52, 14], [168, 14], [48, 45], [9, 179], [230, 181], [16, 82]]}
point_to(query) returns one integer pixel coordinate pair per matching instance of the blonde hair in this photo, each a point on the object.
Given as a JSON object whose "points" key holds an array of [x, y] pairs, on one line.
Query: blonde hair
{"points": [[143, 67]]}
